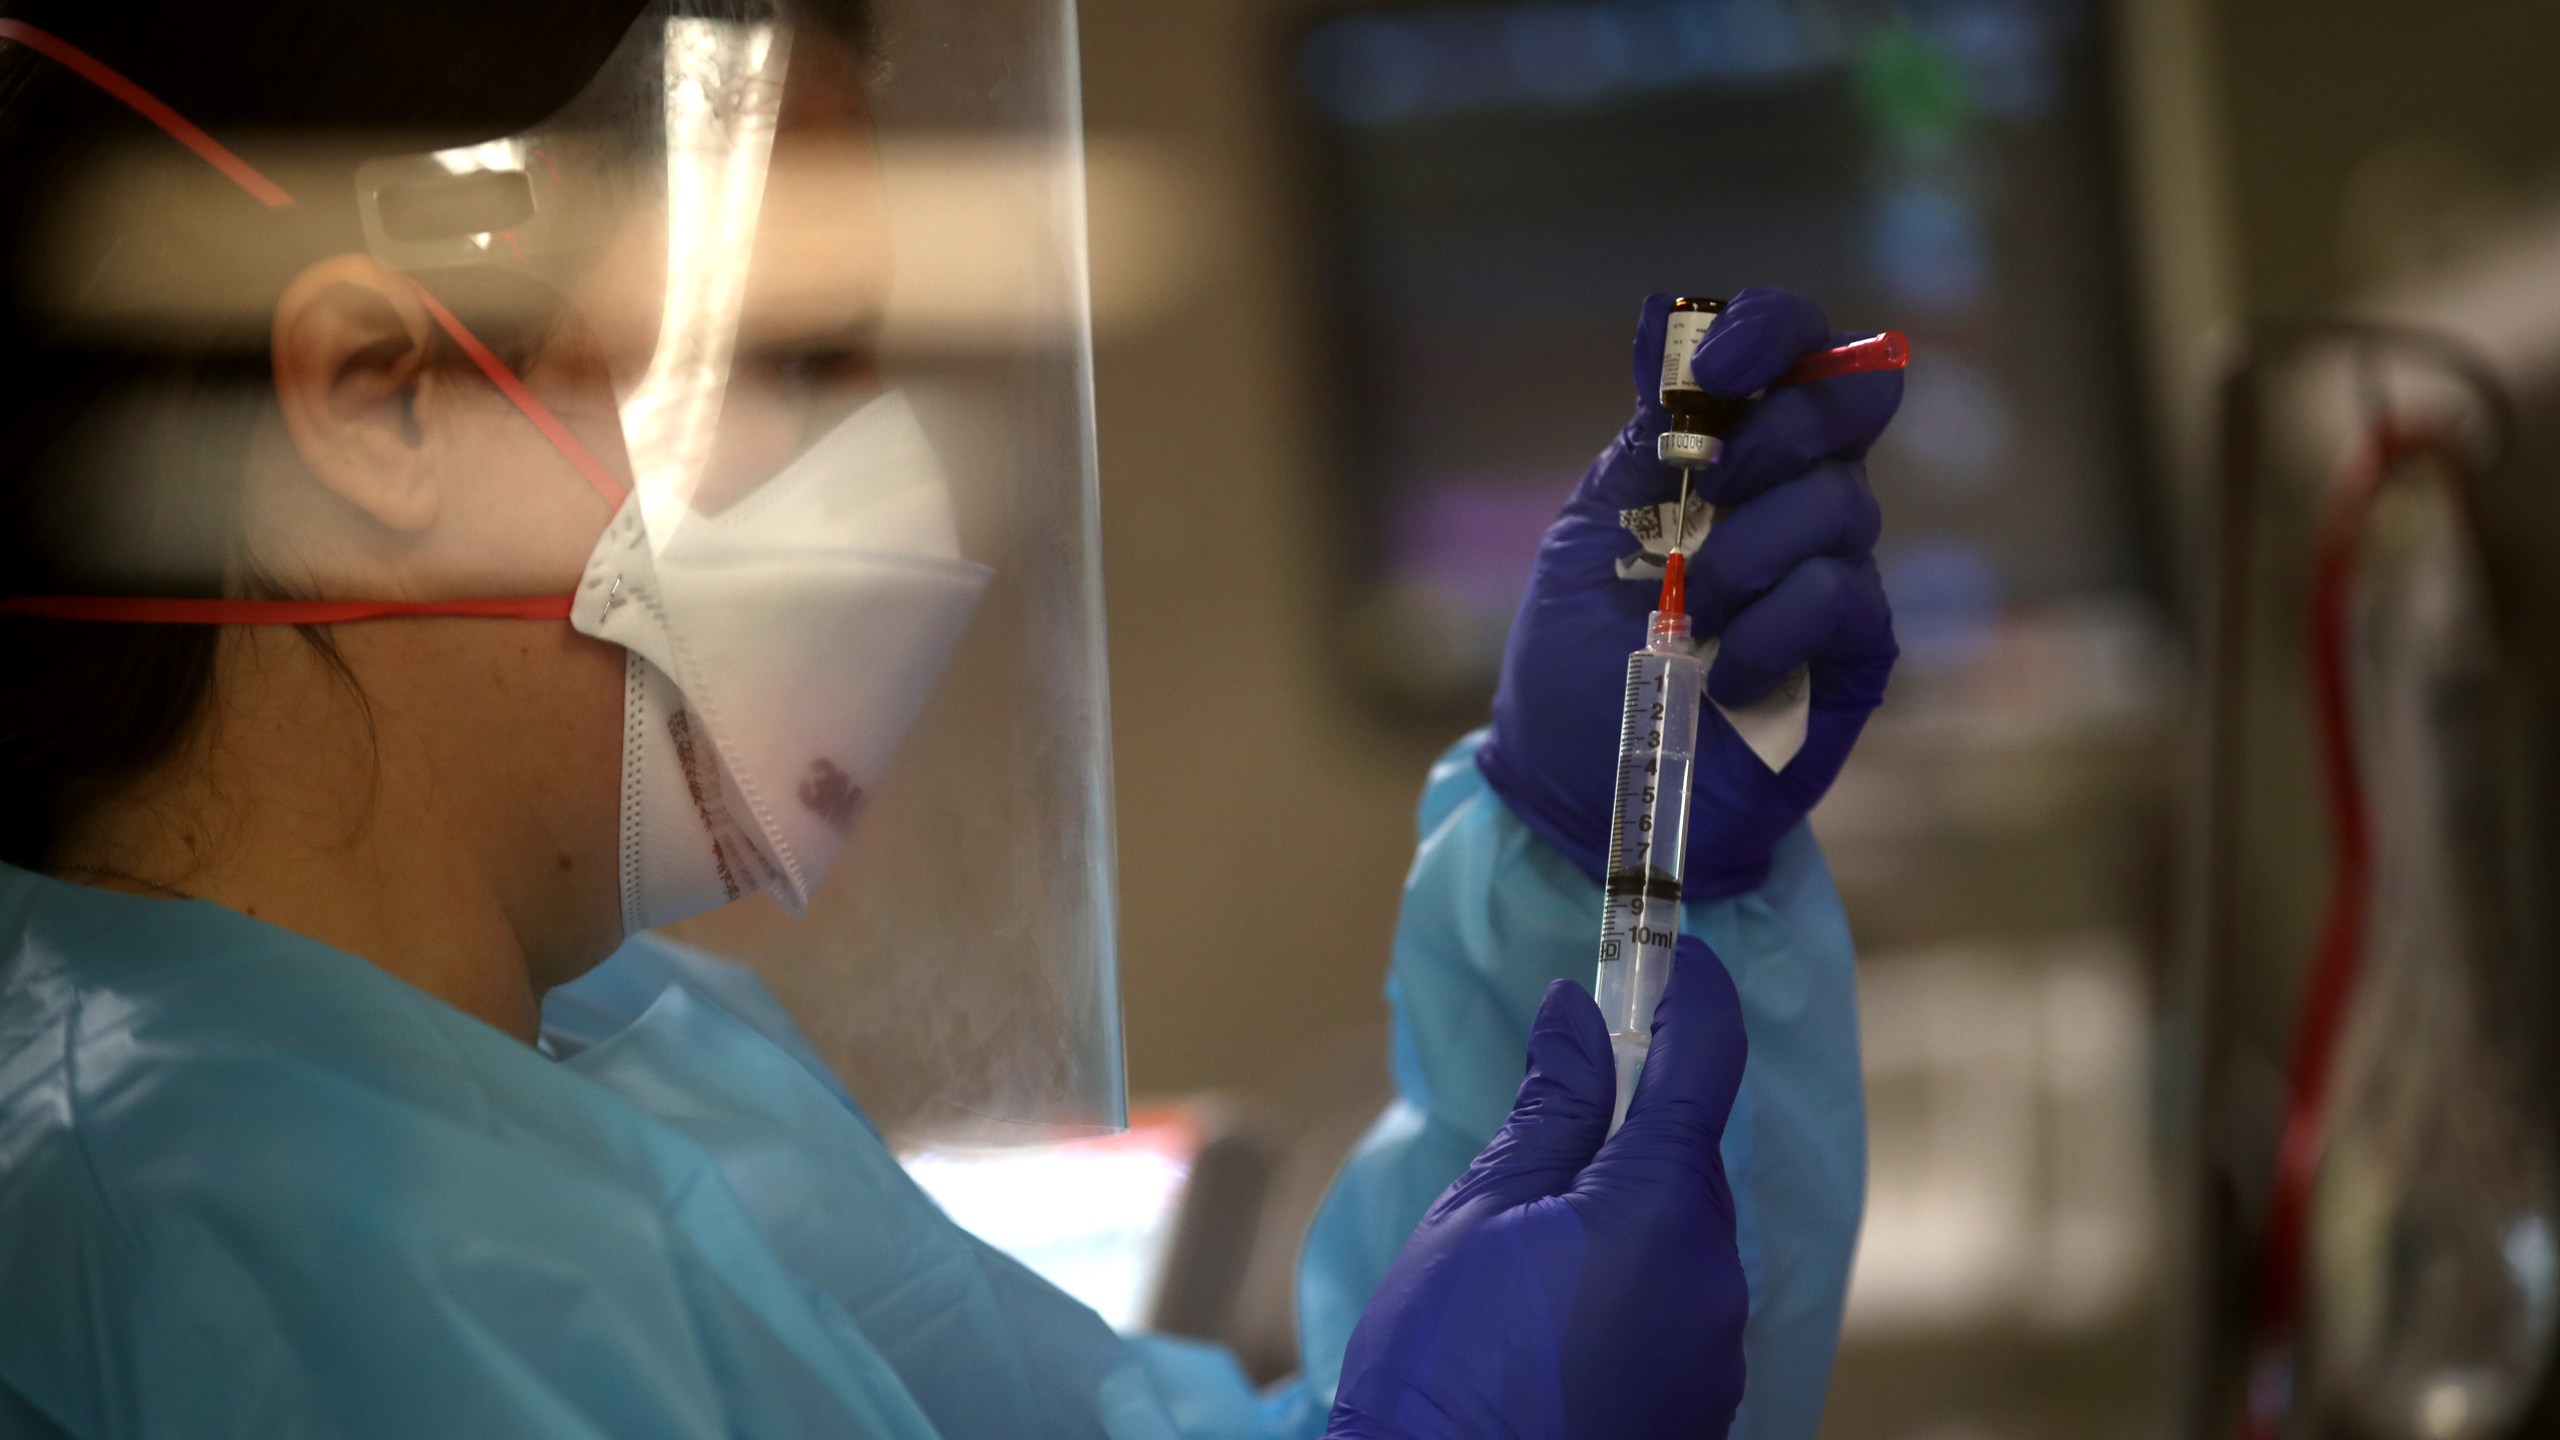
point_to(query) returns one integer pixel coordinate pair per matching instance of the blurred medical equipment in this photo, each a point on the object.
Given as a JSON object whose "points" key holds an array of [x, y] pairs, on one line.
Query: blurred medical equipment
{"points": [[2390, 1271], [2009, 1181], [1940, 169], [2428, 1232]]}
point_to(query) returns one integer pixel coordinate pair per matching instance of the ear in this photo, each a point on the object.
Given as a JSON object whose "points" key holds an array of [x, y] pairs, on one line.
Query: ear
{"points": [[351, 345]]}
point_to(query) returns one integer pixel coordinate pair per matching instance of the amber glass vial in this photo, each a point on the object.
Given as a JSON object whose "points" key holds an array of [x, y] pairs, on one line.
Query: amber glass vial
{"points": [[1699, 421]]}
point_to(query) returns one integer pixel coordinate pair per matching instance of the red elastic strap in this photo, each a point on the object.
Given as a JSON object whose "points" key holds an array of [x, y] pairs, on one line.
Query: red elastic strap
{"points": [[149, 106], [138, 610], [530, 405]]}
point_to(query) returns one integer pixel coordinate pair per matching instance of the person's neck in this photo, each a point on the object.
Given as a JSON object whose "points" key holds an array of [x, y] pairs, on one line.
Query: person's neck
{"points": [[299, 804]]}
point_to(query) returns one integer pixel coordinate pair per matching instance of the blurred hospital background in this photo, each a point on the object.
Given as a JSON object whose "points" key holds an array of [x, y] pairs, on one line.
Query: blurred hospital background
{"points": [[1364, 281]]}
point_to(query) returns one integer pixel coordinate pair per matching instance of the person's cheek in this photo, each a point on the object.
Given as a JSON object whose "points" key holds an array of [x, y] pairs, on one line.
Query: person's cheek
{"points": [[760, 429]]}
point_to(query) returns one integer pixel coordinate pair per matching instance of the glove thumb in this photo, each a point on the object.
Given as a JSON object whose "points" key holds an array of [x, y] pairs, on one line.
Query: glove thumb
{"points": [[1691, 1074], [1561, 1113]]}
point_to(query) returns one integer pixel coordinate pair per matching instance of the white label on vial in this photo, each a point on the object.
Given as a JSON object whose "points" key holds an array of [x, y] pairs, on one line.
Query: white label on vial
{"points": [[1679, 342]]}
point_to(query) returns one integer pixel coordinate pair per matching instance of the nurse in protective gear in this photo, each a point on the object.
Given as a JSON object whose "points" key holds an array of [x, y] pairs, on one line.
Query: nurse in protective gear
{"points": [[551, 711]]}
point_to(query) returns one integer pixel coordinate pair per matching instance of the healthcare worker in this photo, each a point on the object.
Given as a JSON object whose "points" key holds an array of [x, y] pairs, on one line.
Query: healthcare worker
{"points": [[489, 486]]}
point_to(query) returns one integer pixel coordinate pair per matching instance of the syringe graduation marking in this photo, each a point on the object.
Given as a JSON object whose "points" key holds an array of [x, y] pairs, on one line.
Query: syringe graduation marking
{"points": [[1640, 917]]}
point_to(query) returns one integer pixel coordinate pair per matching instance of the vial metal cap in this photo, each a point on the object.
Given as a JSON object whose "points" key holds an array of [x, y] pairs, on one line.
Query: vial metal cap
{"points": [[1687, 449]]}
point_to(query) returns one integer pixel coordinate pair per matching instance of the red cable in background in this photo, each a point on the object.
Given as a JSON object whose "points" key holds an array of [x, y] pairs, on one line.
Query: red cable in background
{"points": [[581, 459], [2337, 962]]}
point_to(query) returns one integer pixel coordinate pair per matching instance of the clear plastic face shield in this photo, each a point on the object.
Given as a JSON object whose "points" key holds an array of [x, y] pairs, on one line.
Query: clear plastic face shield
{"points": [[818, 382]]}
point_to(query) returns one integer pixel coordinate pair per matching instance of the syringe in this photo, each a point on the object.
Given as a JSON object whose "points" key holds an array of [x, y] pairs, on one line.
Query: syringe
{"points": [[1649, 830], [1666, 682]]}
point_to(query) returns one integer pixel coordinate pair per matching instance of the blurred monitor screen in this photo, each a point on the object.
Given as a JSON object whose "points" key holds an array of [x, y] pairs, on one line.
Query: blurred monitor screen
{"points": [[1504, 183]]}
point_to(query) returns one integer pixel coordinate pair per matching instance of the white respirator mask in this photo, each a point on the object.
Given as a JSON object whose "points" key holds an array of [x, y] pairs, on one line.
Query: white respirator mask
{"points": [[780, 649]]}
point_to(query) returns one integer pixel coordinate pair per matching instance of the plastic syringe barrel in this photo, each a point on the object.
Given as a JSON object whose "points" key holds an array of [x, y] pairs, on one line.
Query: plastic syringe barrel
{"points": [[1648, 843]]}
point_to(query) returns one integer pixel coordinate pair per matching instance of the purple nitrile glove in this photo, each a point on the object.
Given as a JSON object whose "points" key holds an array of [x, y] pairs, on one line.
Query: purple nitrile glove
{"points": [[1566, 1287], [1788, 578]]}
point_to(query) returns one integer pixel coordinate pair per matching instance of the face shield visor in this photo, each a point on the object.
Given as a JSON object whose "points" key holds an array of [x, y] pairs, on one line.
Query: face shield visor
{"points": [[812, 294]]}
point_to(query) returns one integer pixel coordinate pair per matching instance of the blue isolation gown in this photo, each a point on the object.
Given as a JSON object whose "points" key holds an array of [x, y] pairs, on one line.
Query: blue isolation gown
{"points": [[254, 1186]]}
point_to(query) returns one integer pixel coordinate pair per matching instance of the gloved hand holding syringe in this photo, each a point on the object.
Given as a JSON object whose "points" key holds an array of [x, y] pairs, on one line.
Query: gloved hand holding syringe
{"points": [[1666, 682]]}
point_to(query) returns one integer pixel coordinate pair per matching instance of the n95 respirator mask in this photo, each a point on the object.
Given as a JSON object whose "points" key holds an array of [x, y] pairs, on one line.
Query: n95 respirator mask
{"points": [[779, 651]]}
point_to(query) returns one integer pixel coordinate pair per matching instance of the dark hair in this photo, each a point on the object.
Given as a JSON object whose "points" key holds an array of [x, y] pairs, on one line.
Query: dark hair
{"points": [[141, 432]]}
